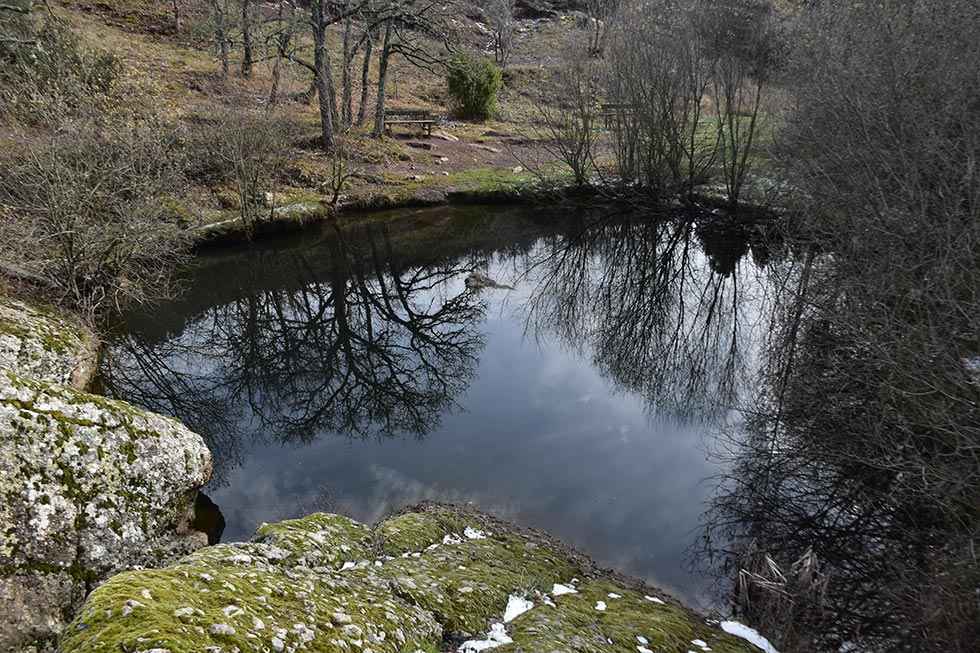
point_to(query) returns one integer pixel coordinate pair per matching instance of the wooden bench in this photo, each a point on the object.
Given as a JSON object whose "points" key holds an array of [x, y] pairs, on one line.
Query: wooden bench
{"points": [[611, 111], [423, 118]]}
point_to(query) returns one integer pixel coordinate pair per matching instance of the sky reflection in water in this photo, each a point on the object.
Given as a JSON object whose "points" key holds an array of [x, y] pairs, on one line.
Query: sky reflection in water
{"points": [[543, 411]]}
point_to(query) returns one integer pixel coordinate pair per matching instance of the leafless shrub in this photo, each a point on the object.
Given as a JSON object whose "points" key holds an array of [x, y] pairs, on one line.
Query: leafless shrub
{"points": [[659, 69], [245, 149], [601, 13], [82, 210], [740, 38], [865, 444], [342, 168], [572, 123]]}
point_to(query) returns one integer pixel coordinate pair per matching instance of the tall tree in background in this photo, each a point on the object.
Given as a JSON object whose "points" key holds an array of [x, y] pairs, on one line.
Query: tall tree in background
{"points": [[248, 46], [222, 38], [410, 27], [320, 19], [500, 15], [369, 37], [175, 8]]}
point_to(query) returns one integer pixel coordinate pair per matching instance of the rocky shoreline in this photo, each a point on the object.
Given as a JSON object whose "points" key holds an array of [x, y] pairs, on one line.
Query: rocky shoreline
{"points": [[88, 486], [424, 580], [98, 550]]}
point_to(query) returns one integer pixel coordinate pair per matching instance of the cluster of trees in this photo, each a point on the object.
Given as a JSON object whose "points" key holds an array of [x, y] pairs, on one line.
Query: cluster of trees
{"points": [[851, 514], [681, 86], [299, 32]]}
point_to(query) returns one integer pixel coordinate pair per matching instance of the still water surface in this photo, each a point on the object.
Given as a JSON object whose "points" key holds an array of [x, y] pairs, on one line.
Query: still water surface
{"points": [[354, 372]]}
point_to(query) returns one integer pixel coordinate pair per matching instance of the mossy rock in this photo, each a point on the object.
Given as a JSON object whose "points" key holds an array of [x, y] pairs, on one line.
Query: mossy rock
{"points": [[88, 487], [46, 344], [420, 580]]}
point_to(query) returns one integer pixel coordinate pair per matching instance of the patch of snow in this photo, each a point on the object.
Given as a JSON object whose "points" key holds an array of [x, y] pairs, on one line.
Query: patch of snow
{"points": [[558, 589], [613, 595], [600, 606], [642, 640], [516, 606], [496, 637], [654, 599], [643, 649], [348, 565], [474, 534], [750, 635]]}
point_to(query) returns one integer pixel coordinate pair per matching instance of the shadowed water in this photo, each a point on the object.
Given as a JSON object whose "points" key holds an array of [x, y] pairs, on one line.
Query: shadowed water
{"points": [[353, 371]]}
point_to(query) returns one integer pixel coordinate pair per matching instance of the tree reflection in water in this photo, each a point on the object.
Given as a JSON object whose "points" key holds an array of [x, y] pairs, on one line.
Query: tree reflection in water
{"points": [[820, 533], [662, 314], [352, 344]]}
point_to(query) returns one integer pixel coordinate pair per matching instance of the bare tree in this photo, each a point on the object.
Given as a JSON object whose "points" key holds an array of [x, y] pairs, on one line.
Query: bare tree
{"points": [[572, 122], [369, 37], [222, 37], [282, 37], [177, 11], [740, 34], [409, 28], [252, 148], [248, 46], [600, 12], [500, 15], [383, 60]]}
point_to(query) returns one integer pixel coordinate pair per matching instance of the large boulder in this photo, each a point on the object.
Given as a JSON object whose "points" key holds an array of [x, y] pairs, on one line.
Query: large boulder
{"points": [[88, 486], [434, 579], [45, 344]]}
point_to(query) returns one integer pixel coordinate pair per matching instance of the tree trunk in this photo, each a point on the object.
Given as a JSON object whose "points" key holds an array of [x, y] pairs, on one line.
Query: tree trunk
{"points": [[282, 45], [247, 58], [177, 17], [365, 73], [221, 35], [347, 100], [379, 109], [323, 77]]}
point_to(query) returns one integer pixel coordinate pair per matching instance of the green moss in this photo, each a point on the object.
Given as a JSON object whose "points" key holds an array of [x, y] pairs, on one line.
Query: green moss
{"points": [[439, 570], [320, 537], [55, 332], [575, 624], [413, 531]]}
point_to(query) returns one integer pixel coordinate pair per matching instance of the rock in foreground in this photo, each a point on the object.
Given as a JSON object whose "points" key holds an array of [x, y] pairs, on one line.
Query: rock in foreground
{"points": [[88, 487], [436, 579]]}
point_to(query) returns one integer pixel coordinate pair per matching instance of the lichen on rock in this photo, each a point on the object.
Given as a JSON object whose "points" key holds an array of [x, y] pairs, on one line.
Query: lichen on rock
{"points": [[427, 580], [88, 487], [45, 344]]}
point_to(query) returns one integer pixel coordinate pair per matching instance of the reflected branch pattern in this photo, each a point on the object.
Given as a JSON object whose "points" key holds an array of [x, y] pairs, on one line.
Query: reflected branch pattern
{"points": [[355, 346], [660, 306]]}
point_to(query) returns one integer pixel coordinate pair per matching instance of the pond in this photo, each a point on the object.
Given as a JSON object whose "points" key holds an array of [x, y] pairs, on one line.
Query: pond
{"points": [[352, 370]]}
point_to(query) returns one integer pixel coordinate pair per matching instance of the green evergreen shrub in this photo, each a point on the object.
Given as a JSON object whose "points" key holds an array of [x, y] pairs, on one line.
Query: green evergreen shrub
{"points": [[473, 86]]}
